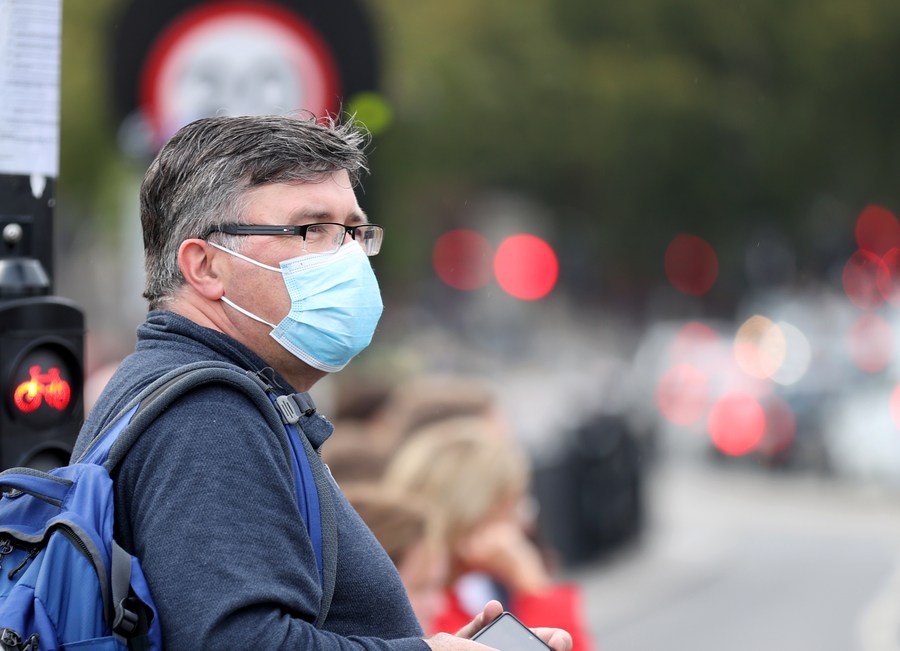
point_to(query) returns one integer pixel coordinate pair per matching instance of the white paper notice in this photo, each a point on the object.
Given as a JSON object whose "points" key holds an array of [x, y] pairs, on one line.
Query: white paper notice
{"points": [[30, 38]]}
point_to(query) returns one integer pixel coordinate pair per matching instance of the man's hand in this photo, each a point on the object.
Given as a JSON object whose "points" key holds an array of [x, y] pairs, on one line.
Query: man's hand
{"points": [[558, 639], [489, 613]]}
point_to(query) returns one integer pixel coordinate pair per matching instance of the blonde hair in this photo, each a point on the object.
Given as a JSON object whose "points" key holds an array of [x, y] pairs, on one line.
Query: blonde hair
{"points": [[461, 467]]}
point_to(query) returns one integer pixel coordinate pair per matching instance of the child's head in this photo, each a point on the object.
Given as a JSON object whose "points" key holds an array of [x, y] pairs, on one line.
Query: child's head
{"points": [[465, 469]]}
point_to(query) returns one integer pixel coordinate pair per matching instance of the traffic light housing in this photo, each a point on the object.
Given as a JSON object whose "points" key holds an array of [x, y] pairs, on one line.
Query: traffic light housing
{"points": [[41, 378], [41, 336]]}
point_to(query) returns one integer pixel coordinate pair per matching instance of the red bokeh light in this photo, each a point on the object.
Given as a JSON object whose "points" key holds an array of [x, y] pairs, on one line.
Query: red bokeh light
{"points": [[693, 339], [682, 395], [737, 424], [877, 230], [860, 279], [526, 267], [691, 264], [871, 343], [462, 258], [702, 347], [887, 277], [895, 406]]}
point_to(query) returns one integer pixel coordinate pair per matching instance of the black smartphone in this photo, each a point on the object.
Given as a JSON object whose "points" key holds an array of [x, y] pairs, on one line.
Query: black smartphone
{"points": [[506, 633]]}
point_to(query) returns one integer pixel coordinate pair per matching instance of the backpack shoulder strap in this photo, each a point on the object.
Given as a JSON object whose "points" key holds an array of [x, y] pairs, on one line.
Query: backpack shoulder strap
{"points": [[110, 446], [327, 544]]}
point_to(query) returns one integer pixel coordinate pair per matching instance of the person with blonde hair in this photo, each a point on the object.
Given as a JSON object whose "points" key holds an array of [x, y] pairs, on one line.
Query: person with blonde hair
{"points": [[479, 483]]}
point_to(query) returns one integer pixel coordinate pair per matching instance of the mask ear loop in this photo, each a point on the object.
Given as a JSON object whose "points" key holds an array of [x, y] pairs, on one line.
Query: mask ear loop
{"points": [[244, 257], [234, 305], [246, 312]]}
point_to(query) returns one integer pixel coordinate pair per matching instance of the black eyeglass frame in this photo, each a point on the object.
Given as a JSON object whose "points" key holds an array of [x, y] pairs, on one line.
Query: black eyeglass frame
{"points": [[296, 230]]}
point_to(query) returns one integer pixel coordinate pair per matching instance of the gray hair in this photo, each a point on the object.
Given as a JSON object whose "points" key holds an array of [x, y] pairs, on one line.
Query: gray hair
{"points": [[200, 178]]}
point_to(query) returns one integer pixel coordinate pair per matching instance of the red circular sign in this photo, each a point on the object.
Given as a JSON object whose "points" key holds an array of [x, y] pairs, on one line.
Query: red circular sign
{"points": [[236, 59]]}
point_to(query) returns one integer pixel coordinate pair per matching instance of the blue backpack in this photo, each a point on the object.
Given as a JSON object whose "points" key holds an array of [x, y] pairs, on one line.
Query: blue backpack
{"points": [[66, 584]]}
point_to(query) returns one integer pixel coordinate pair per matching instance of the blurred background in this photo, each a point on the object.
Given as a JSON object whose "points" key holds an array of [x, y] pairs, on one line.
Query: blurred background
{"points": [[664, 232]]}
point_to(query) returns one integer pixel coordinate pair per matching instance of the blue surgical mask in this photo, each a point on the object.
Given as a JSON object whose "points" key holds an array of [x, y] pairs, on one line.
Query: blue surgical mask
{"points": [[335, 305]]}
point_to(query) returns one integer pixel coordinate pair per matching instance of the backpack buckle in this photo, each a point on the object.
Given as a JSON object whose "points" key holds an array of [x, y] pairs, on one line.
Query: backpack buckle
{"points": [[10, 639], [131, 618], [126, 620], [293, 406]]}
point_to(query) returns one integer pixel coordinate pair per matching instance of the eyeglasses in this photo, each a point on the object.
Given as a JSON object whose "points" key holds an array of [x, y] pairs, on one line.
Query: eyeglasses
{"points": [[321, 237]]}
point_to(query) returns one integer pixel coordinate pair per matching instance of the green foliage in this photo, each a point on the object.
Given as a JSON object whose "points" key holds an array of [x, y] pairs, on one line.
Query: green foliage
{"points": [[628, 121], [634, 121], [89, 161]]}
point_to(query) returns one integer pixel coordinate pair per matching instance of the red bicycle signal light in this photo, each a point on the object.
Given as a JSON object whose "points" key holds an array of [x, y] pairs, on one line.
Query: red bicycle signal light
{"points": [[41, 380], [49, 388], [43, 388]]}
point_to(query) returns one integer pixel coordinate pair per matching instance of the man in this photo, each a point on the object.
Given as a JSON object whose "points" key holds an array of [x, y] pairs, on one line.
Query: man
{"points": [[256, 254]]}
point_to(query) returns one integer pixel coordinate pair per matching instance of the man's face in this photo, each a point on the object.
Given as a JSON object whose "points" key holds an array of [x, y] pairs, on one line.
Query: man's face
{"points": [[262, 291]]}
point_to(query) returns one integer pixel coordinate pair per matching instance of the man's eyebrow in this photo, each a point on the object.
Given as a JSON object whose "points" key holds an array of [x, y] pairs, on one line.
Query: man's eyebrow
{"points": [[315, 214], [359, 217]]}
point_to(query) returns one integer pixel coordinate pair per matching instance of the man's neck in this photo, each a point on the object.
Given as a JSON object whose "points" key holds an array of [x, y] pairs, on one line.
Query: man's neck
{"points": [[299, 375]]}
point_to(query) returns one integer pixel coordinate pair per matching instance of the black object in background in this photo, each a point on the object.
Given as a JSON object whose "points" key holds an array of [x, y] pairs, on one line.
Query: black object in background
{"points": [[591, 497]]}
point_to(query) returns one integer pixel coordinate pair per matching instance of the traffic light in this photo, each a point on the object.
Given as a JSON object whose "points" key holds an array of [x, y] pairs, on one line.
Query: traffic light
{"points": [[41, 361], [41, 336]]}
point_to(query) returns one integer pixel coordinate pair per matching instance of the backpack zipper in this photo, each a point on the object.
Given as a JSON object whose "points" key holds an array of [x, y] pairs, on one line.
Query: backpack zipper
{"points": [[76, 540], [34, 551], [6, 548]]}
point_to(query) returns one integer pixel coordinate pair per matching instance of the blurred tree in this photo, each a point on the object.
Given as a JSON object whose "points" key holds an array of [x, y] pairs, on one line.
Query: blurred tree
{"points": [[634, 121], [628, 122], [90, 163]]}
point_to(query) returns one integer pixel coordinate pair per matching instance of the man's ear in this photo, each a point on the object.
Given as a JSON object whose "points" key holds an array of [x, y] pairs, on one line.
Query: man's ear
{"points": [[196, 260]]}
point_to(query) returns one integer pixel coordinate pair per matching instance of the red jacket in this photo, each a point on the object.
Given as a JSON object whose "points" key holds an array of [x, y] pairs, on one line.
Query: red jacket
{"points": [[558, 607]]}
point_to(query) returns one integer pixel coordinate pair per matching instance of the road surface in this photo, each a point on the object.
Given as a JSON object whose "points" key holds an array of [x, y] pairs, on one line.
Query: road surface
{"points": [[736, 558]]}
